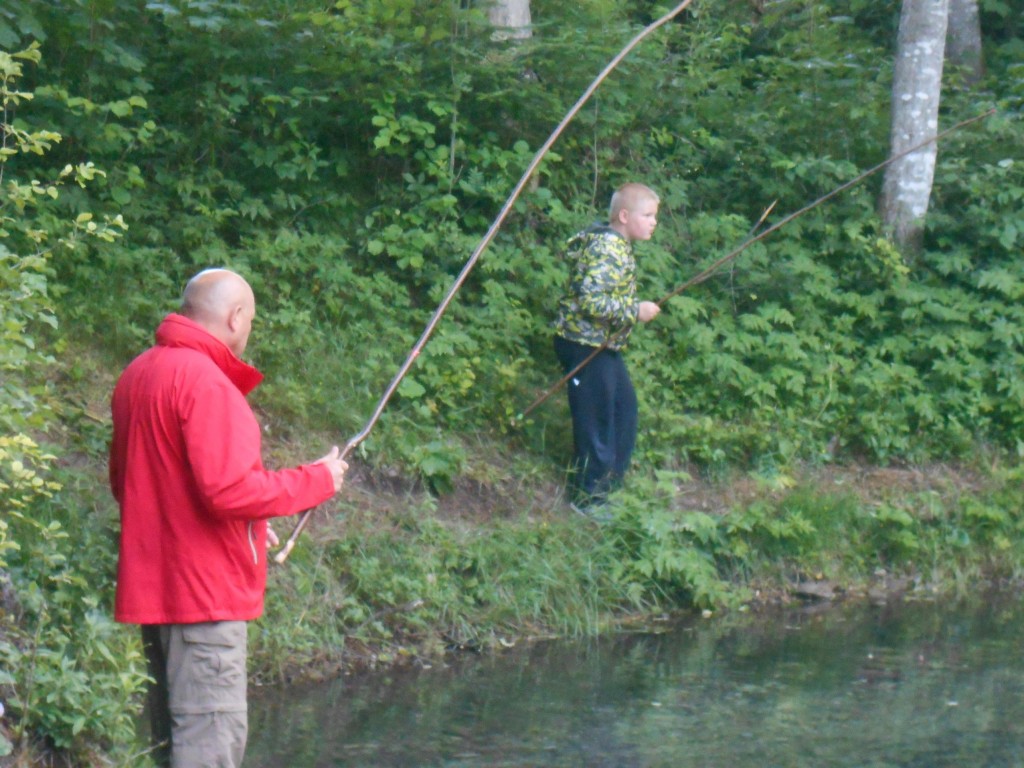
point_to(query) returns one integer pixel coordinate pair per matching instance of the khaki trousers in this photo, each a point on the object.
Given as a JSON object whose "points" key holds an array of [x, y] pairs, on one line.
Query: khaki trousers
{"points": [[198, 713]]}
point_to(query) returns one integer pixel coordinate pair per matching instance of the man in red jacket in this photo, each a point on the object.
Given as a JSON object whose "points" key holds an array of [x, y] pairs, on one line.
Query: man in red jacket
{"points": [[187, 472]]}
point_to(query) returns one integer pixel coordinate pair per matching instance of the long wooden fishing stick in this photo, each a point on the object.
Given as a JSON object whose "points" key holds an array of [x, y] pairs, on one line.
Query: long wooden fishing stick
{"points": [[706, 273], [281, 556]]}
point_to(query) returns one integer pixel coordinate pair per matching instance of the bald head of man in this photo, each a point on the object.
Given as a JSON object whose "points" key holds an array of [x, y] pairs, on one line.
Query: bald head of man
{"points": [[222, 302]]}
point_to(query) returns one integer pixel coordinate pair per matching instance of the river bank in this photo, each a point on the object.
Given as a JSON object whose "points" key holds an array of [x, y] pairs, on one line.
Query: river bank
{"points": [[403, 576]]}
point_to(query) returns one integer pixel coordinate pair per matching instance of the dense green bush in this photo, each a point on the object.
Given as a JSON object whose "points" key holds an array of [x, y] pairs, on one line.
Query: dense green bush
{"points": [[351, 176], [69, 676]]}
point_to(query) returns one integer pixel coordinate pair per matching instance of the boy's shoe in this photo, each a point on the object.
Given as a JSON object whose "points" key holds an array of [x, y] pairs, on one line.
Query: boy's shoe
{"points": [[592, 512]]}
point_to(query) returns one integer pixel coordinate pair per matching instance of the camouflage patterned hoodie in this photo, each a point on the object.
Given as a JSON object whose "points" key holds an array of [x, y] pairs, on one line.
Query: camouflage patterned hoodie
{"points": [[601, 296]]}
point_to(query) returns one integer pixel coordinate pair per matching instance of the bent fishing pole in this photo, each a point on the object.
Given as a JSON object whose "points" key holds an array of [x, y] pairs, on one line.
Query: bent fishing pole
{"points": [[281, 556], [751, 239]]}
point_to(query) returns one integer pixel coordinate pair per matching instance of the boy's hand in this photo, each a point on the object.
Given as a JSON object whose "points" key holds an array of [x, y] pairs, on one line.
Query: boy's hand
{"points": [[647, 311]]}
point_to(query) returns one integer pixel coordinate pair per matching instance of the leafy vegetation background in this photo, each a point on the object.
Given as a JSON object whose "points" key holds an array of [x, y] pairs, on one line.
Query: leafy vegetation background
{"points": [[348, 158]]}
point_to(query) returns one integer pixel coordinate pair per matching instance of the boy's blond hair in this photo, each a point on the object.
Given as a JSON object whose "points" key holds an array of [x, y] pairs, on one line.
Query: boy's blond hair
{"points": [[628, 197]]}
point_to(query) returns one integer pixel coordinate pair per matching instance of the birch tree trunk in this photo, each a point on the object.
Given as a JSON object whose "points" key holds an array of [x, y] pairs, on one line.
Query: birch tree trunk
{"points": [[963, 41], [511, 19], [917, 83]]}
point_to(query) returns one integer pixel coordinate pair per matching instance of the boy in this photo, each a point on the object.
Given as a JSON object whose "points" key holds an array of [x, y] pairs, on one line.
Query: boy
{"points": [[601, 307]]}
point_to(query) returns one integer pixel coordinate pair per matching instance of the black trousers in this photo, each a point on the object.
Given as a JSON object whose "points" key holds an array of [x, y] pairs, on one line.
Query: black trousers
{"points": [[603, 405]]}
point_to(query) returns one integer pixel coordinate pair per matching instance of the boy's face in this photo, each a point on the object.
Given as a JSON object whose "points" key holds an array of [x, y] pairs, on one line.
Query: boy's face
{"points": [[639, 223]]}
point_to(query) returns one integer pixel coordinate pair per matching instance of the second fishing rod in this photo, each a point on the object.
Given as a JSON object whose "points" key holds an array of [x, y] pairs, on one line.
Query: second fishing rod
{"points": [[751, 238]]}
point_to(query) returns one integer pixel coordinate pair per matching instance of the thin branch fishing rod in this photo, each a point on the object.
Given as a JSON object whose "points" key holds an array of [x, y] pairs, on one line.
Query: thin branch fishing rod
{"points": [[702, 276], [622, 332], [471, 262], [706, 273]]}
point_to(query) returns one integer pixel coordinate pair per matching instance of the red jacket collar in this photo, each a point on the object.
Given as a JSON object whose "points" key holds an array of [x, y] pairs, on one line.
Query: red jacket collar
{"points": [[178, 331]]}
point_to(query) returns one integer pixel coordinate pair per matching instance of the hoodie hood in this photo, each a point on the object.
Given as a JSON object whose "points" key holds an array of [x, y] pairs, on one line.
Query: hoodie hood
{"points": [[597, 229]]}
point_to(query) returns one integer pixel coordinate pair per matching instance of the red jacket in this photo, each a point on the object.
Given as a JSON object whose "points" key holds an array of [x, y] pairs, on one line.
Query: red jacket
{"points": [[186, 469]]}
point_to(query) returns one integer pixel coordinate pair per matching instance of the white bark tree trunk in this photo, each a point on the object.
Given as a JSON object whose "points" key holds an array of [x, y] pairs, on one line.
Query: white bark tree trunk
{"points": [[917, 83], [963, 41], [511, 19]]}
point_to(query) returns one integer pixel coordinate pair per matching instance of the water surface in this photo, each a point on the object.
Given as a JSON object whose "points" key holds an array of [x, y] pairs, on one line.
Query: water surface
{"points": [[920, 684]]}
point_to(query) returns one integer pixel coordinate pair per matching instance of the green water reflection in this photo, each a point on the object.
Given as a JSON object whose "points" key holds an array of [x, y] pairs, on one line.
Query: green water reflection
{"points": [[921, 685]]}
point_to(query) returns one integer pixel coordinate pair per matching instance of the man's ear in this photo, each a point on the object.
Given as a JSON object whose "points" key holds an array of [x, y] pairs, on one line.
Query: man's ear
{"points": [[233, 316]]}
